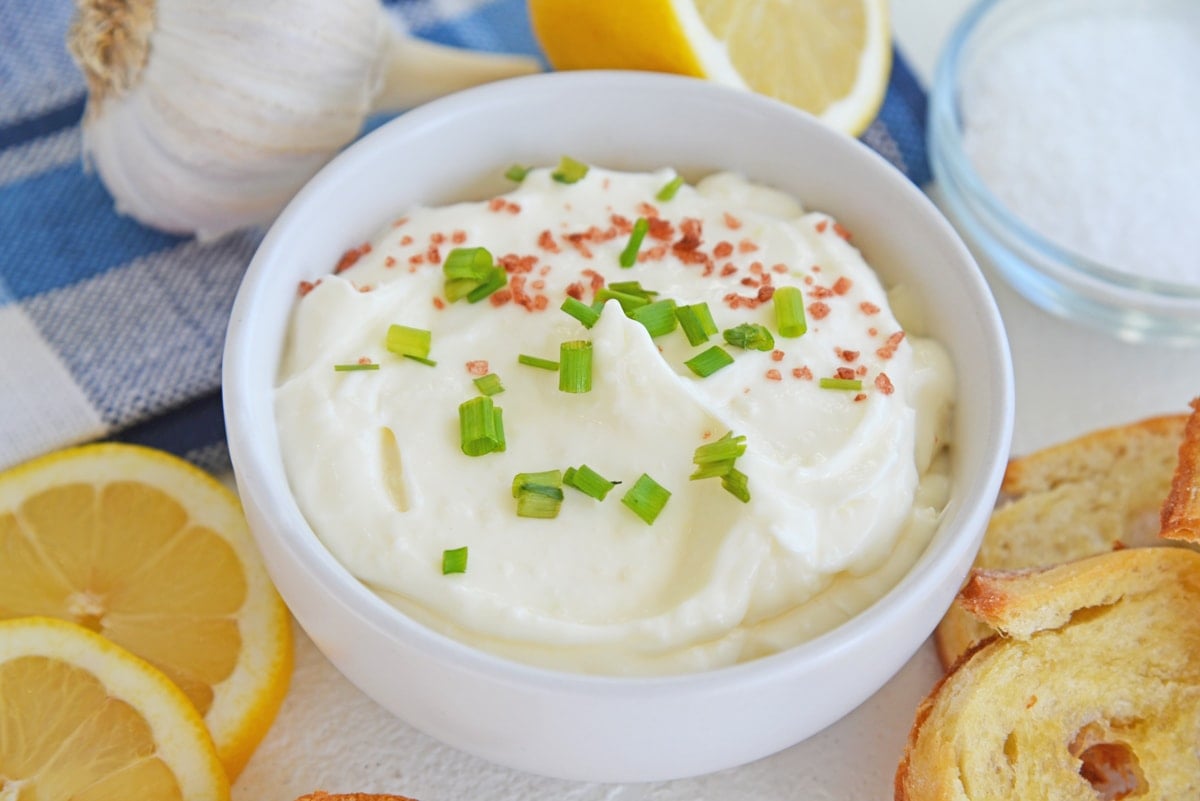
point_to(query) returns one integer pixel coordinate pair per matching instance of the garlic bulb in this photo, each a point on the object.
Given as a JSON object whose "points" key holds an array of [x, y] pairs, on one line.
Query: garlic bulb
{"points": [[205, 116]]}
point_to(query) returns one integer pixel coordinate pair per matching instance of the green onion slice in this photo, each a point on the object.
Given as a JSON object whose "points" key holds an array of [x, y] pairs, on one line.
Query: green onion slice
{"points": [[715, 459], [471, 273], [405, 341], [516, 172], [646, 498], [629, 255], [538, 494], [737, 484], [628, 302], [496, 280], [709, 361], [481, 426], [789, 311], [569, 170], [352, 368], [750, 336], [489, 384], [580, 311], [854, 384], [658, 317], [534, 361], [575, 371], [697, 323], [588, 481], [670, 188], [454, 560], [546, 478], [421, 359], [634, 288]]}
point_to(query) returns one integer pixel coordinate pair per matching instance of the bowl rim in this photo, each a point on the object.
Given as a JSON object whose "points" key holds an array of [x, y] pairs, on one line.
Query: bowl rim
{"points": [[251, 453], [945, 136]]}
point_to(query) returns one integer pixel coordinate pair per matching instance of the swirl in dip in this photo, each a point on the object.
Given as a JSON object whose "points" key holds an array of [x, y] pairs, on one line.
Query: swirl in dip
{"points": [[846, 485]]}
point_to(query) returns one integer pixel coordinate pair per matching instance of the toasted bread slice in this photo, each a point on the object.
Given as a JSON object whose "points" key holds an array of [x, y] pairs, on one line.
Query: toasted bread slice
{"points": [[1086, 496], [1181, 512], [1091, 692]]}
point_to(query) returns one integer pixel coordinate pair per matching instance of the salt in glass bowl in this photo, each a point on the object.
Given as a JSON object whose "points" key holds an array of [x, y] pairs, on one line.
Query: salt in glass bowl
{"points": [[1047, 273], [589, 727]]}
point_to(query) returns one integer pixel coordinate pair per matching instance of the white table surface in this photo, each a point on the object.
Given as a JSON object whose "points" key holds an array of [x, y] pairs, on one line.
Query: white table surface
{"points": [[1068, 380]]}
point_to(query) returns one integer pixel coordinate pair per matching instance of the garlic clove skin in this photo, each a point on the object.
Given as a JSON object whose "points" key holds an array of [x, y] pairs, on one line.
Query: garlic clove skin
{"points": [[233, 105]]}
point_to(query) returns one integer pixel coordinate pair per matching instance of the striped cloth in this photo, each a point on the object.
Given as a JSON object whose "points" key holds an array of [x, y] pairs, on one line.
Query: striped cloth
{"points": [[112, 330]]}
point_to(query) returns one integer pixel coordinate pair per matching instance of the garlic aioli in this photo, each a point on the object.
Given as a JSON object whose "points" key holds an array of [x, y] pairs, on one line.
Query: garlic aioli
{"points": [[846, 486]]}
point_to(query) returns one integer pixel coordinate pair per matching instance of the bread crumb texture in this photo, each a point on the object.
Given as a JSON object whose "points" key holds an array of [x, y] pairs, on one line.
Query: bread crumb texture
{"points": [[1091, 692]]}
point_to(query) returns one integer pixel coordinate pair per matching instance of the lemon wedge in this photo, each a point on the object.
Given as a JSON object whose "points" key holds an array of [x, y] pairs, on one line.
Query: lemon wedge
{"points": [[831, 58], [84, 719], [153, 554]]}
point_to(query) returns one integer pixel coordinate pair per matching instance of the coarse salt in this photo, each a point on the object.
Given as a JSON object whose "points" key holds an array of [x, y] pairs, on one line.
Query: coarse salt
{"points": [[1086, 129]]}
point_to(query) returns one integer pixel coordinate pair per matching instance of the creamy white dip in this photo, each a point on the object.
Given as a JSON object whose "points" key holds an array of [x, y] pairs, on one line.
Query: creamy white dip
{"points": [[846, 486]]}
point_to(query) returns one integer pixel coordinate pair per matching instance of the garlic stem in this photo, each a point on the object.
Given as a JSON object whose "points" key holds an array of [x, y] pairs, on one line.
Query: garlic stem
{"points": [[416, 71]]}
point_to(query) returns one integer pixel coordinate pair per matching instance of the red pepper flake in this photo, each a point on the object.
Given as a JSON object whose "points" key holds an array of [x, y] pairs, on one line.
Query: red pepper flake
{"points": [[416, 258], [541, 302], [433, 254], [847, 355], [512, 208], [709, 267], [390, 261], [802, 373], [577, 241], [597, 280], [872, 331], [364, 360], [544, 269], [773, 375], [655, 253], [756, 268], [351, 257], [364, 288], [646, 210], [401, 221], [808, 280], [439, 304], [546, 241], [728, 270], [458, 237], [500, 297], [749, 281], [732, 222], [575, 290], [842, 285], [765, 293], [867, 307], [860, 397], [889, 347], [477, 367], [818, 310], [861, 370], [621, 223], [690, 240], [777, 355], [821, 226], [437, 238], [516, 264], [844, 373], [746, 246], [724, 249], [841, 231], [406, 240], [538, 284], [779, 268], [306, 287], [496, 204], [658, 228], [819, 291]]}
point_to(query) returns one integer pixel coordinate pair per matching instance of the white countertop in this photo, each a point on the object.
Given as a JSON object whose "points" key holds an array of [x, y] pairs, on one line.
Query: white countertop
{"points": [[1068, 380]]}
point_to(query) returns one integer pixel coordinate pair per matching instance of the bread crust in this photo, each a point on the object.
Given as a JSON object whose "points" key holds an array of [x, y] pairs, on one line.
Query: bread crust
{"points": [[1181, 512], [1078, 498], [1092, 691]]}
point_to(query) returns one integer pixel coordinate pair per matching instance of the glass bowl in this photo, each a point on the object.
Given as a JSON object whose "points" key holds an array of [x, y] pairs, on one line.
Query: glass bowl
{"points": [[1048, 273]]}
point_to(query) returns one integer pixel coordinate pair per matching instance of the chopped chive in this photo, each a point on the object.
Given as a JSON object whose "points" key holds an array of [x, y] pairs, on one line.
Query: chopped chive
{"points": [[489, 384], [697, 322], [516, 172], [454, 560], [658, 317], [546, 478], [628, 302], [421, 359], [580, 311], [737, 484], [629, 255], [481, 426], [588, 481], [405, 341], [634, 288], [575, 373], [352, 368], [539, 501], [646, 498], [459, 288], [709, 361], [841, 383], [471, 273], [496, 280], [670, 188], [715, 459], [569, 170], [534, 361], [789, 311], [750, 336]]}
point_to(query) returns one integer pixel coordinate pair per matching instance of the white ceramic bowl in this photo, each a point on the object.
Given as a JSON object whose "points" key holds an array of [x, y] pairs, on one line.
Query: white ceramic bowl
{"points": [[588, 727]]}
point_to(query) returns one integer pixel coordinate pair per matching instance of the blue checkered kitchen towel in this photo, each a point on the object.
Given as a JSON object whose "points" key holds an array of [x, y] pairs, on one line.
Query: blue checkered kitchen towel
{"points": [[112, 330]]}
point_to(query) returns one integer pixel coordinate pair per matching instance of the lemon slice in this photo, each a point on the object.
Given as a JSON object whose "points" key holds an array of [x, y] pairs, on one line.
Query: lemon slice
{"points": [[84, 719], [831, 58], [153, 554]]}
